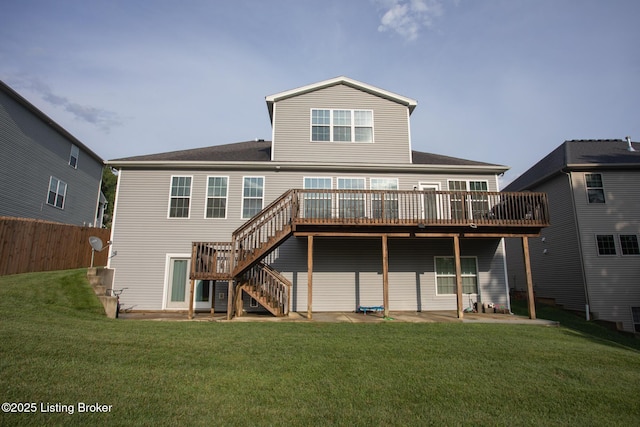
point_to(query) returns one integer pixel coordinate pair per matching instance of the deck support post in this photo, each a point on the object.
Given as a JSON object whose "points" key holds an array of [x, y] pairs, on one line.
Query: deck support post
{"points": [[309, 276], [527, 268], [385, 275], [191, 289], [213, 297], [456, 255], [230, 300]]}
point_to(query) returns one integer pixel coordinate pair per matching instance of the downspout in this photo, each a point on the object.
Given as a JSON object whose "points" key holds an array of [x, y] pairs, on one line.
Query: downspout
{"points": [[584, 274]]}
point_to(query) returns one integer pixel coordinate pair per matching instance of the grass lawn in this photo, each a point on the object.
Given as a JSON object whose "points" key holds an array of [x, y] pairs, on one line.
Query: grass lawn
{"points": [[57, 347]]}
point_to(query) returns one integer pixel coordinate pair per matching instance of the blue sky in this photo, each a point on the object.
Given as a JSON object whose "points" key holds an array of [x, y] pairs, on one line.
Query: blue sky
{"points": [[500, 81]]}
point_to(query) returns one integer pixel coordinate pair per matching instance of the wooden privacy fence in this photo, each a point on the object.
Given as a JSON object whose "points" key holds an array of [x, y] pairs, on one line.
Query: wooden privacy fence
{"points": [[28, 245]]}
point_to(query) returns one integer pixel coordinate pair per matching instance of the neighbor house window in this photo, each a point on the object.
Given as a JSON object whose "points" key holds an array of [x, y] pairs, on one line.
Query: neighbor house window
{"points": [[384, 205], [216, 197], [342, 125], [317, 205], [180, 197], [446, 275], [73, 157], [57, 192], [606, 244], [595, 190], [351, 204], [629, 244], [252, 195], [635, 311]]}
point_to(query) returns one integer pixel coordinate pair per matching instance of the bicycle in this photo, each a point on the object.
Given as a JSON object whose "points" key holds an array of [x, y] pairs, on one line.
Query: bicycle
{"points": [[116, 293]]}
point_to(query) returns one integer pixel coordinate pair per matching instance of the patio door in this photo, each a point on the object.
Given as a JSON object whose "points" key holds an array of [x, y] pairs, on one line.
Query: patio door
{"points": [[431, 204], [178, 287], [178, 283]]}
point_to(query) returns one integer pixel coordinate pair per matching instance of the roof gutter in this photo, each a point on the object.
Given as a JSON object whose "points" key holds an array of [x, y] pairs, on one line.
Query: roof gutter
{"points": [[304, 166]]}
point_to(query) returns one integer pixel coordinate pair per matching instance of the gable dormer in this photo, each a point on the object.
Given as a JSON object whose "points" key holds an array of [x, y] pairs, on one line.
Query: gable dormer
{"points": [[341, 121]]}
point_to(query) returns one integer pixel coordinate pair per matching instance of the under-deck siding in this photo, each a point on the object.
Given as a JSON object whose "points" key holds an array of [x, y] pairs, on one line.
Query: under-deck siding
{"points": [[292, 137], [347, 272]]}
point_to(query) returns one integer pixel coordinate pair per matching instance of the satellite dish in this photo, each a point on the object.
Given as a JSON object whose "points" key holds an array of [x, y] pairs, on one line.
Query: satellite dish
{"points": [[96, 243]]}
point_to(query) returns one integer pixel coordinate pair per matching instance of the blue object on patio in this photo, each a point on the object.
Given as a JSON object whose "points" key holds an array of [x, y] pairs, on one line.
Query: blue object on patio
{"points": [[372, 308]]}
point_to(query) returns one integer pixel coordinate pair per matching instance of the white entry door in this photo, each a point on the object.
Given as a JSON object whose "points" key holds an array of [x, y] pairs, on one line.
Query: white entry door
{"points": [[431, 203]]}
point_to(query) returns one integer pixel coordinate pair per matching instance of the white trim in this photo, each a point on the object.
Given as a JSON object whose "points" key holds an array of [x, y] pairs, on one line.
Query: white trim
{"points": [[308, 166], [253, 198], [273, 135], [506, 273], [409, 133], [113, 219], [206, 197], [190, 197]]}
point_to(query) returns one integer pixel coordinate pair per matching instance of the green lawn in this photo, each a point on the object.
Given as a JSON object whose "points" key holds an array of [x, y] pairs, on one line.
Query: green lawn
{"points": [[57, 347]]}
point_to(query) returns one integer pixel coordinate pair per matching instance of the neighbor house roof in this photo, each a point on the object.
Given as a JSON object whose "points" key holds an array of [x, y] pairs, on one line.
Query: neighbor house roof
{"points": [[46, 119], [259, 152], [579, 155], [271, 99]]}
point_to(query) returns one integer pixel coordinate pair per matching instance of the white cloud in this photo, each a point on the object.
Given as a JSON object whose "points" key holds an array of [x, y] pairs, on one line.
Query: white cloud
{"points": [[408, 17]]}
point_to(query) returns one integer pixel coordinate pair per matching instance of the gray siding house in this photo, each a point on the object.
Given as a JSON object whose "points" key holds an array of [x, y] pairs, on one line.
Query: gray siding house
{"points": [[588, 260], [46, 173], [336, 213]]}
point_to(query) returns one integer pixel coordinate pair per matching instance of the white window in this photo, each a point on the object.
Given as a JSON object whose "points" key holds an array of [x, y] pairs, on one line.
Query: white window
{"points": [[180, 198], [73, 157], [252, 195], [606, 244], [217, 191], [341, 125], [595, 190], [317, 205], [446, 275], [351, 204], [57, 192], [629, 244], [384, 205]]}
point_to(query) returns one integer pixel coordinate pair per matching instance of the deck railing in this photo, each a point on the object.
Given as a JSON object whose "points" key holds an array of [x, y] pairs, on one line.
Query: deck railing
{"points": [[380, 207], [434, 209], [211, 260]]}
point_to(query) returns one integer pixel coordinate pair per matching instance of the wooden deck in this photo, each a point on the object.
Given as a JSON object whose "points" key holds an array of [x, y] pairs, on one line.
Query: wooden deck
{"points": [[370, 213], [358, 213]]}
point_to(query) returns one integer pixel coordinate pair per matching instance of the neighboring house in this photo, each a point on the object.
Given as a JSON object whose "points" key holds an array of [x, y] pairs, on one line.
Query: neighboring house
{"points": [[46, 173], [336, 213], [588, 260]]}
